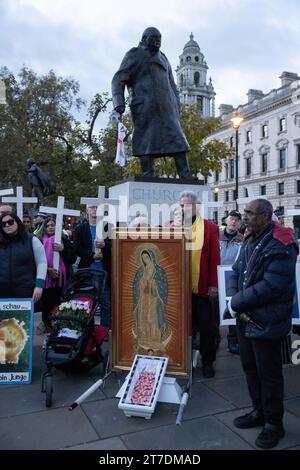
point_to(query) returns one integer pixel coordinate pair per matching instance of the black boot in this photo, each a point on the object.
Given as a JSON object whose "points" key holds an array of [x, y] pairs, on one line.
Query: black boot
{"points": [[270, 436], [182, 166], [249, 420], [147, 165]]}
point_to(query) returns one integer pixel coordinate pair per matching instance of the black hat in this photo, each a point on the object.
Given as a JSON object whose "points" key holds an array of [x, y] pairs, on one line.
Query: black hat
{"points": [[235, 214], [279, 213]]}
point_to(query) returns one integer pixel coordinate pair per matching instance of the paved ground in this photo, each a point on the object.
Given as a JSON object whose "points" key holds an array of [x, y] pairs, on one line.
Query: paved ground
{"points": [[25, 423]]}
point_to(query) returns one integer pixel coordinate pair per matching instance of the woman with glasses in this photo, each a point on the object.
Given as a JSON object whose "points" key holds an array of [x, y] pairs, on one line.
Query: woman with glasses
{"points": [[23, 263], [55, 279]]}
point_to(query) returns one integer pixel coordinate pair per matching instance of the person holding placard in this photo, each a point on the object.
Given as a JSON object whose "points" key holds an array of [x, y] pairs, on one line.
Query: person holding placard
{"points": [[55, 279]]}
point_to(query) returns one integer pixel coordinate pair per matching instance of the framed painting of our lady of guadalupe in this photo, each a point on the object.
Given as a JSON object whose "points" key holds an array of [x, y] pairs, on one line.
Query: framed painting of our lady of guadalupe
{"points": [[151, 298]]}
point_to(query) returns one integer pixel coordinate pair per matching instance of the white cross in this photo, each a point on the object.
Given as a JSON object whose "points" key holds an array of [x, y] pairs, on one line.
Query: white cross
{"points": [[293, 212], [100, 200], [208, 204], [5, 192], [20, 200], [59, 211]]}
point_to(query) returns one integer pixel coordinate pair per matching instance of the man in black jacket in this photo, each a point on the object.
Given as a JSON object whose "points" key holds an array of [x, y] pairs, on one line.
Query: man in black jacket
{"points": [[262, 288]]}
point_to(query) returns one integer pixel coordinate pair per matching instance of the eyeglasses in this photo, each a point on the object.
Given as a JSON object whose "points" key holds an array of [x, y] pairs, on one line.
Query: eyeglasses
{"points": [[9, 222], [253, 213]]}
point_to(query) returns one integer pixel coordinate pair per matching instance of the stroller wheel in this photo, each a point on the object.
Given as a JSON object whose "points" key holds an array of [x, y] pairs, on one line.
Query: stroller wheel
{"points": [[49, 390]]}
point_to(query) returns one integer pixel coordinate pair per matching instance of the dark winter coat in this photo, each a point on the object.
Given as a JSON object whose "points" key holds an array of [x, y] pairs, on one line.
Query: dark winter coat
{"points": [[85, 250], [17, 269], [154, 102], [265, 287]]}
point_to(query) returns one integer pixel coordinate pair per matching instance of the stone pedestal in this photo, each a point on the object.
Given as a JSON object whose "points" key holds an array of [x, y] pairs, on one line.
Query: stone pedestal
{"points": [[153, 197]]}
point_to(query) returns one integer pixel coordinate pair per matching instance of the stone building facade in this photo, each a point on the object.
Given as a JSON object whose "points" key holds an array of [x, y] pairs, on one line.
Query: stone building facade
{"points": [[268, 147]]}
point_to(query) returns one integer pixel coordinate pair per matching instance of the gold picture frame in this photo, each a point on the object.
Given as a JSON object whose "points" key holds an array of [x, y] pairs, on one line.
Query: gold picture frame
{"points": [[151, 297]]}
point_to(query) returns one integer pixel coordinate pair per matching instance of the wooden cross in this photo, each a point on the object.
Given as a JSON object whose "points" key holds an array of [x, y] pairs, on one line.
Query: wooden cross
{"points": [[59, 211], [20, 200], [101, 202]]}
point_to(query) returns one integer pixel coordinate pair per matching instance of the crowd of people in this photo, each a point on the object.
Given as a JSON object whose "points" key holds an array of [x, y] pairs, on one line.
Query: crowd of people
{"points": [[261, 288]]}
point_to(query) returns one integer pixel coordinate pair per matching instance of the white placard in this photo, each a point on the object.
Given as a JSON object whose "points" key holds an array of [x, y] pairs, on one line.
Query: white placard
{"points": [[224, 273]]}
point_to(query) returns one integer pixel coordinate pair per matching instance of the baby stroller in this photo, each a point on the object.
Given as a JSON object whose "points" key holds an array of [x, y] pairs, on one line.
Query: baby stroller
{"points": [[75, 341]]}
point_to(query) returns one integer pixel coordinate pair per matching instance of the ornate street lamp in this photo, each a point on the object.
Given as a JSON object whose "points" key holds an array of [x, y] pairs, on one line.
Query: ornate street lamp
{"points": [[236, 121]]}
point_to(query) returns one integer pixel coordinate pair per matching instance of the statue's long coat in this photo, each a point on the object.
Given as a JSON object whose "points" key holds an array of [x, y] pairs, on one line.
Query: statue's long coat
{"points": [[154, 103]]}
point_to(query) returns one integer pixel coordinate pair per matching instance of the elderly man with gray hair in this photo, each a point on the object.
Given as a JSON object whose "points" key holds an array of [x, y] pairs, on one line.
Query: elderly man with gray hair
{"points": [[205, 259]]}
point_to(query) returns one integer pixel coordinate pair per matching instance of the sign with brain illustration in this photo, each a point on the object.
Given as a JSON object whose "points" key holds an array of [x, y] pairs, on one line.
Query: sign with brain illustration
{"points": [[16, 319]]}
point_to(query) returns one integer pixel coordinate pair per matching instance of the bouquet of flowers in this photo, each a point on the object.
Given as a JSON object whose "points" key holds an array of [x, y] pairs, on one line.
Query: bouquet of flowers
{"points": [[75, 309]]}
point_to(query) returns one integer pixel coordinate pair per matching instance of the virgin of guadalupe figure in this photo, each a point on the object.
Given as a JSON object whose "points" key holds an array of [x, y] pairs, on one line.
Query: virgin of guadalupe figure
{"points": [[150, 296]]}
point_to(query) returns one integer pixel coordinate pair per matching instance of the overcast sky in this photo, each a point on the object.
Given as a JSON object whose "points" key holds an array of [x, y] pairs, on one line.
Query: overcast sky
{"points": [[246, 43]]}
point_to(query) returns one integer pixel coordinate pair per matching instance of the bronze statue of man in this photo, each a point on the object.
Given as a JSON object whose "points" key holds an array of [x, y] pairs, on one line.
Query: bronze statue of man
{"points": [[154, 104], [40, 181]]}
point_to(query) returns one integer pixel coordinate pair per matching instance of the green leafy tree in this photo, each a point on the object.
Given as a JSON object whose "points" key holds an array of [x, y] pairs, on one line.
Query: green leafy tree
{"points": [[36, 120], [101, 146]]}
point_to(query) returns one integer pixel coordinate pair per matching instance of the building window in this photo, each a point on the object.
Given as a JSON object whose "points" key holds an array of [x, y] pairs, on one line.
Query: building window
{"points": [[282, 124], [205, 179], [248, 136], [231, 169], [216, 177], [280, 209], [248, 166], [264, 162], [234, 195], [263, 190], [188, 59], [226, 196], [298, 186], [215, 217], [280, 189], [264, 131], [245, 192], [282, 159], [231, 142], [298, 154], [216, 197], [226, 171], [196, 78], [199, 101]]}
